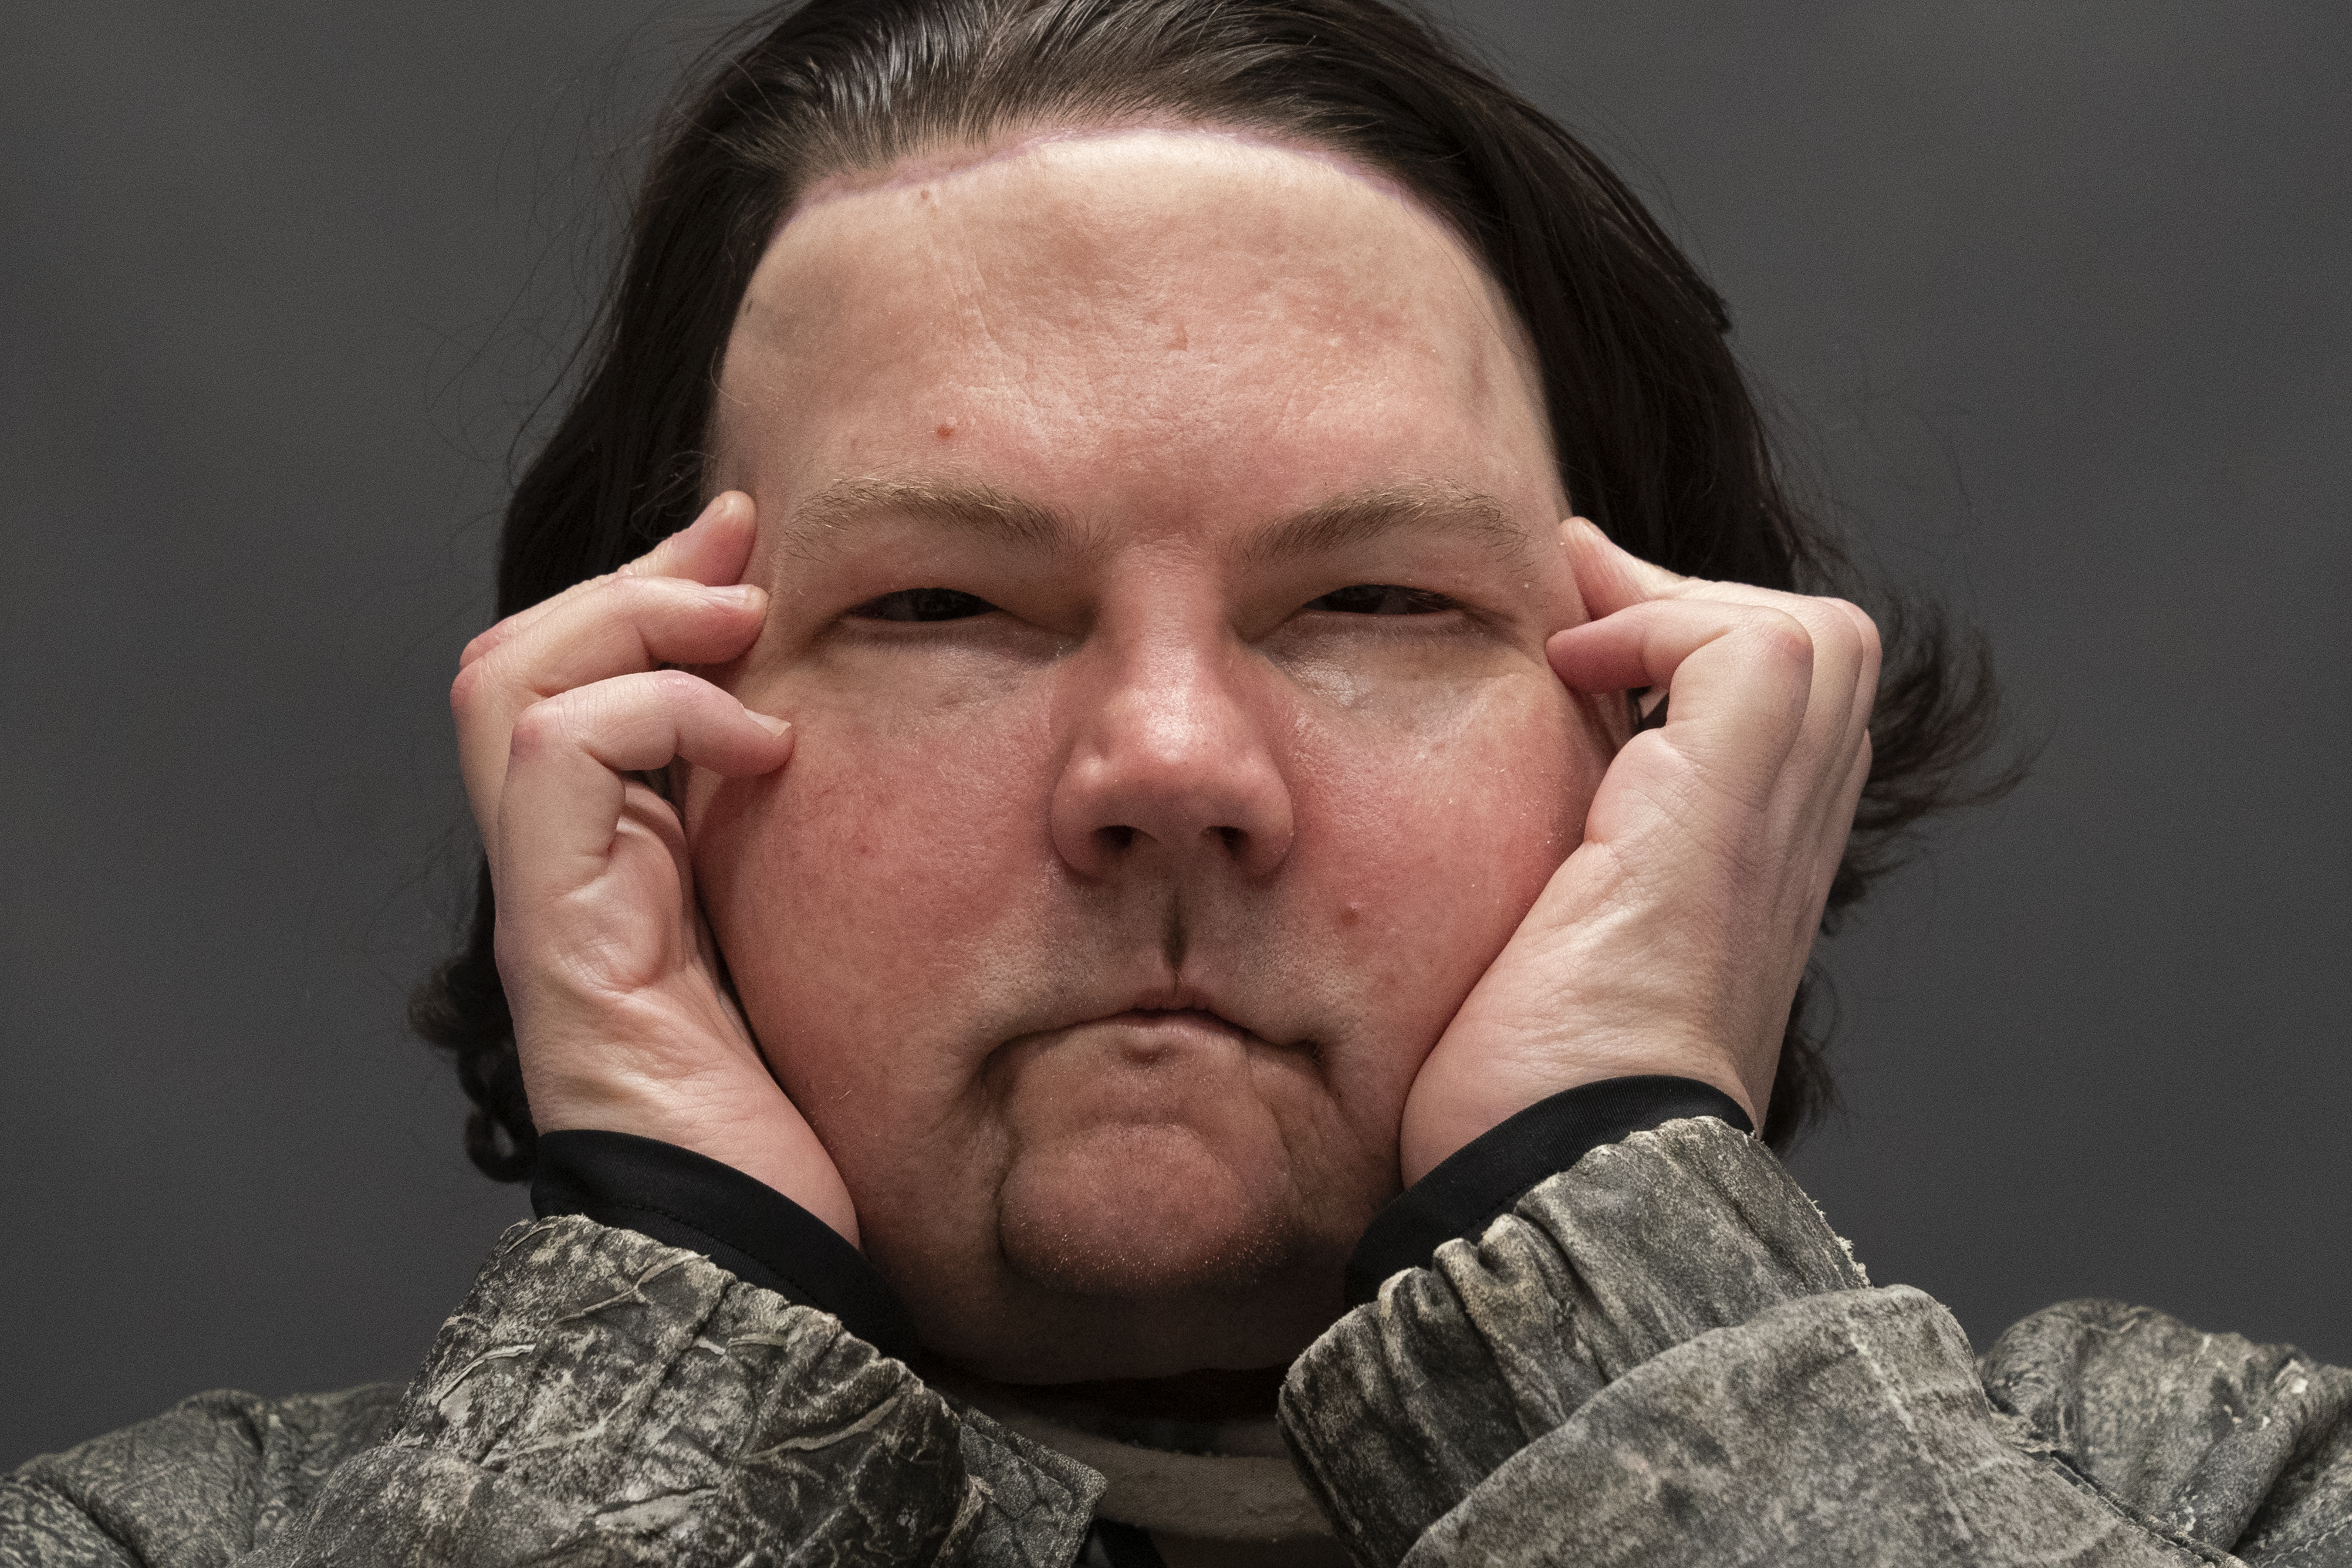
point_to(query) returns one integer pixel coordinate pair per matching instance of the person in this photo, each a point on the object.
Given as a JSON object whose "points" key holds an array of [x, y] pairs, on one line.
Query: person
{"points": [[1083, 951]]}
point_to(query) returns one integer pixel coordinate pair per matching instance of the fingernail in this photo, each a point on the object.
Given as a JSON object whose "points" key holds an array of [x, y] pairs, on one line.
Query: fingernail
{"points": [[739, 594], [768, 722]]}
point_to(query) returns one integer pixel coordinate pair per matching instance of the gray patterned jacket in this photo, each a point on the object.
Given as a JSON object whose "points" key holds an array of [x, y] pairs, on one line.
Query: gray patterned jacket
{"points": [[1662, 1356]]}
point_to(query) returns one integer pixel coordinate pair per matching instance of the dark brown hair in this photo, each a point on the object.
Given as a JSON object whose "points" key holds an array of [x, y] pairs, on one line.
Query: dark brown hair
{"points": [[1659, 439]]}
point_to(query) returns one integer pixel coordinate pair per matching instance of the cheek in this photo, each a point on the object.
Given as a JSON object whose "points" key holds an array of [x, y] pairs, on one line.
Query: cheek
{"points": [[872, 878], [1434, 825]]}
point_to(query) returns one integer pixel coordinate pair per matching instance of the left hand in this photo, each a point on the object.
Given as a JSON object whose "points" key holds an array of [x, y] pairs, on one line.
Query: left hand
{"points": [[1672, 938]]}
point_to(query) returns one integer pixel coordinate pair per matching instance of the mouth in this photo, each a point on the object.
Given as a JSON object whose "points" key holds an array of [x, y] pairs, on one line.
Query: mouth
{"points": [[1152, 1059], [1179, 1008], [1161, 1026], [1175, 1024], [1170, 1017], [1156, 1019]]}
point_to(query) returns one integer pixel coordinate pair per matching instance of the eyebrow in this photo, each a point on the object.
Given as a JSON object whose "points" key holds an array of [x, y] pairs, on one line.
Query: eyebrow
{"points": [[955, 503], [1431, 506]]}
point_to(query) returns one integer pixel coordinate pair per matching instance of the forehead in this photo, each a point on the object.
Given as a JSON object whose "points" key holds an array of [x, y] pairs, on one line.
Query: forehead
{"points": [[1151, 318]]}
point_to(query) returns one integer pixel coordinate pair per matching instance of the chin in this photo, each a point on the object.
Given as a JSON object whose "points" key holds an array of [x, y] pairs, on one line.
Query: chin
{"points": [[1136, 1252], [1129, 1212]]}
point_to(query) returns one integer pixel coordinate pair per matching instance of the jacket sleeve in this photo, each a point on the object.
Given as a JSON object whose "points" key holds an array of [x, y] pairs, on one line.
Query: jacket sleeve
{"points": [[198, 1484], [1664, 1355], [599, 1398], [2213, 1435]]}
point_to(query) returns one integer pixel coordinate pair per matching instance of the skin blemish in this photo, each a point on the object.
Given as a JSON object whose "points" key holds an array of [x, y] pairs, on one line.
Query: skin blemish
{"points": [[1352, 914], [946, 432]]}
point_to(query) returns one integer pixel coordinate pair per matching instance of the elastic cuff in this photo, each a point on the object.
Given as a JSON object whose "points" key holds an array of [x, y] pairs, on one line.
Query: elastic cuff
{"points": [[1487, 1175], [690, 1201]]}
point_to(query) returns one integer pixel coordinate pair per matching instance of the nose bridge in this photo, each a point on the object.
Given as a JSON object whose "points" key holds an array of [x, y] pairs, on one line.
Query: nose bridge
{"points": [[1171, 701], [1169, 756]]}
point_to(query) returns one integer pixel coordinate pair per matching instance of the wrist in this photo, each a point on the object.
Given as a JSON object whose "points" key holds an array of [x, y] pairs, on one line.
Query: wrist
{"points": [[790, 1160], [1450, 1109], [782, 1152], [1464, 1193]]}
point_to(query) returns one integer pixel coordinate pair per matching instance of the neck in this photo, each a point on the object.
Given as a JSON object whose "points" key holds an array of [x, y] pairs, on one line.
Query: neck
{"points": [[1194, 1412], [1208, 1394]]}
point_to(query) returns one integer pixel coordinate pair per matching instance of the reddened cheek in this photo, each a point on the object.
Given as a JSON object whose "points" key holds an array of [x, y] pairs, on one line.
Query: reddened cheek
{"points": [[1425, 850], [858, 882]]}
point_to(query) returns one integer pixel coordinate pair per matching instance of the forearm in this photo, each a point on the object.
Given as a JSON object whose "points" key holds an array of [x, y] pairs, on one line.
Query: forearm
{"points": [[596, 1393], [599, 1387], [1408, 1404], [1665, 1355]]}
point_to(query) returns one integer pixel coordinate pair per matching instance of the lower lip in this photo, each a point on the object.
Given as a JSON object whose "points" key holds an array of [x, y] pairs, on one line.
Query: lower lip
{"points": [[1175, 1026]]}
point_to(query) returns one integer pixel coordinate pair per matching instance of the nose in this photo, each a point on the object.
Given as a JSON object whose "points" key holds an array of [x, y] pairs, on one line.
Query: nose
{"points": [[1167, 761]]}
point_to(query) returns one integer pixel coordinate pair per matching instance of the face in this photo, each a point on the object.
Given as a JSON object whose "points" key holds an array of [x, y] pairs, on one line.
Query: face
{"points": [[1162, 532]]}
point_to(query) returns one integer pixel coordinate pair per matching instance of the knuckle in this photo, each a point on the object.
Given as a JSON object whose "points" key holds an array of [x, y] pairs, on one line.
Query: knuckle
{"points": [[540, 727], [1781, 635], [637, 597], [612, 600], [629, 589], [1858, 621], [676, 688], [465, 690]]}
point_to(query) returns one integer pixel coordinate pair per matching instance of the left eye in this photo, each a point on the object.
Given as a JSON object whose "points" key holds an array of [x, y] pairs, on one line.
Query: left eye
{"points": [[924, 605], [1381, 599]]}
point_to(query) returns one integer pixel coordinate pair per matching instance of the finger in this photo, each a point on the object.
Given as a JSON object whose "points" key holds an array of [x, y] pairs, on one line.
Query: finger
{"points": [[1846, 639], [621, 626], [1865, 686], [1834, 826], [1741, 676], [1845, 677], [1609, 578], [564, 778], [1858, 776], [1845, 683], [712, 550]]}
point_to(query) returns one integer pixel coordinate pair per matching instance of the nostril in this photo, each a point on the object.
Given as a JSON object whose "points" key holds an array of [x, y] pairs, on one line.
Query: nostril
{"points": [[1234, 838], [1114, 839]]}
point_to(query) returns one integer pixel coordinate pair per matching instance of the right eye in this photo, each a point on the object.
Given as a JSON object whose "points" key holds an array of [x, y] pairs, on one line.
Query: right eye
{"points": [[924, 605]]}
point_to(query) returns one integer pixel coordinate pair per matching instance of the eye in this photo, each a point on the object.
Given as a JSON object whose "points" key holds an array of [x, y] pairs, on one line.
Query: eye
{"points": [[1381, 599], [924, 605]]}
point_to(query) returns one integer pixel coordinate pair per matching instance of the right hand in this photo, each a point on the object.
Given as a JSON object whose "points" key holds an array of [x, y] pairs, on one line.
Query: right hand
{"points": [[621, 1018]]}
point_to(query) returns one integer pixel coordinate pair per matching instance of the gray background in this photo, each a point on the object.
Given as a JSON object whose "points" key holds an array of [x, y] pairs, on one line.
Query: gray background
{"points": [[2054, 295]]}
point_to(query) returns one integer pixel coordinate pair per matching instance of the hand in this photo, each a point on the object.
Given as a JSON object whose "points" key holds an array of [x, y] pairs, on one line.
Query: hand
{"points": [[1672, 938], [620, 1017]]}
